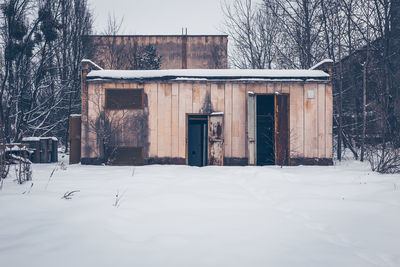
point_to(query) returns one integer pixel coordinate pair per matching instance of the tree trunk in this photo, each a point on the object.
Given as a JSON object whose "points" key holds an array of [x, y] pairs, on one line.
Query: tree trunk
{"points": [[364, 127], [340, 102]]}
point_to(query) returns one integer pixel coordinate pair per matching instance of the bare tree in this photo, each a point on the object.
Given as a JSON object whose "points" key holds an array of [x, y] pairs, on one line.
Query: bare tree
{"points": [[384, 159], [114, 52], [340, 73], [300, 21], [41, 50], [254, 31], [77, 21], [114, 25], [4, 167], [365, 71], [106, 127]]}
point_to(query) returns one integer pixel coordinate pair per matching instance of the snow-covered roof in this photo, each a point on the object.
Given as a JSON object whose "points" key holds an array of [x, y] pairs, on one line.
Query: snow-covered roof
{"points": [[34, 139], [92, 63], [30, 139], [214, 74], [321, 63]]}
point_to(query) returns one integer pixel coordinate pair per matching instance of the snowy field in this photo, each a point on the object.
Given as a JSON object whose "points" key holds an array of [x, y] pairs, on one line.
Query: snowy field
{"points": [[215, 216]]}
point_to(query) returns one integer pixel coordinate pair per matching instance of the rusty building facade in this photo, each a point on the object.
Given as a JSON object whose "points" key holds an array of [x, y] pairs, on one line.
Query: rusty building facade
{"points": [[195, 111], [176, 51], [206, 117]]}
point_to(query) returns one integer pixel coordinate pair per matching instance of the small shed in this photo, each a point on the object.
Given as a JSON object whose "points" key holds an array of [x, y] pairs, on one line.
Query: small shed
{"points": [[206, 117], [43, 149]]}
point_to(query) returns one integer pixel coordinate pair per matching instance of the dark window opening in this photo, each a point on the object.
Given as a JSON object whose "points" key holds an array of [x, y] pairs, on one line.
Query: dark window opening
{"points": [[124, 99], [197, 140], [265, 130]]}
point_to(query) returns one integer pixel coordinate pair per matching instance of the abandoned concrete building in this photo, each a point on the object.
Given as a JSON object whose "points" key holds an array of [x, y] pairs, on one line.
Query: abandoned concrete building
{"points": [[176, 51], [206, 116]]}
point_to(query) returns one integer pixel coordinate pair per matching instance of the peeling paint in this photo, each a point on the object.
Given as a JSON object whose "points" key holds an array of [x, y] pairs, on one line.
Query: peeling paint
{"points": [[216, 140]]}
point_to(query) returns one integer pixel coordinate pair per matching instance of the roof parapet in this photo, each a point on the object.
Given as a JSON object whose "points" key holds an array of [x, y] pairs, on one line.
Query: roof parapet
{"points": [[87, 64], [209, 74], [325, 65]]}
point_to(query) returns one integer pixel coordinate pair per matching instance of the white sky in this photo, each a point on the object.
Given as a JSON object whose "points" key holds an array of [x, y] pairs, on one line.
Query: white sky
{"points": [[160, 16]]}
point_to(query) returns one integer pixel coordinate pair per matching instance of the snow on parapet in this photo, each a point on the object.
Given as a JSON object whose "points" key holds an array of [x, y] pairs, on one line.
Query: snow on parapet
{"points": [[35, 139], [225, 74], [321, 63], [30, 139], [91, 63]]}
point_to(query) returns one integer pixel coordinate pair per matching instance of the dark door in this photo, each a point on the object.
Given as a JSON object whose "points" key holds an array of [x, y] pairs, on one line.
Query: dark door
{"points": [[265, 130], [282, 129], [44, 151], [197, 141]]}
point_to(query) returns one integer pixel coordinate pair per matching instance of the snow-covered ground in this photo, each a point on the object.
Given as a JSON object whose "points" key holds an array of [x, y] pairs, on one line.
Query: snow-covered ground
{"points": [[215, 216]]}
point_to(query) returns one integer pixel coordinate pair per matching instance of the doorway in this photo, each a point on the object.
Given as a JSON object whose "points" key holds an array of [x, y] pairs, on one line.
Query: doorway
{"points": [[197, 140], [268, 129], [265, 121]]}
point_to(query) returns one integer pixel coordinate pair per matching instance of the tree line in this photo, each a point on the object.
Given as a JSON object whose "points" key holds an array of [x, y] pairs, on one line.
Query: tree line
{"points": [[360, 36], [40, 53]]}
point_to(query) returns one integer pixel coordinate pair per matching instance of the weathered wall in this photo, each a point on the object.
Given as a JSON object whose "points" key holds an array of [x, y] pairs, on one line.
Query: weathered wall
{"points": [[111, 128], [168, 103], [177, 51], [310, 122]]}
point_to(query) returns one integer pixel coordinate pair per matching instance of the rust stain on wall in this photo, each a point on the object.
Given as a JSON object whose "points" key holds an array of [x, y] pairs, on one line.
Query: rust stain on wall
{"points": [[167, 93], [308, 105], [207, 107], [196, 93]]}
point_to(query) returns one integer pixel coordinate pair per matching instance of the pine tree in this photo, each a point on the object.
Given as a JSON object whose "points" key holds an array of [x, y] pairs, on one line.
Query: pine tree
{"points": [[149, 58]]}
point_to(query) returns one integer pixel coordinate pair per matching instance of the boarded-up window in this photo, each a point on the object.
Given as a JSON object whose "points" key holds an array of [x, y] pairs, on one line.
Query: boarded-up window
{"points": [[124, 98], [125, 155]]}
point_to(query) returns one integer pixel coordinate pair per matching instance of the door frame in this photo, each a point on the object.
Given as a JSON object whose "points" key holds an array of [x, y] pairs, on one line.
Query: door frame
{"points": [[275, 127], [192, 116], [252, 128]]}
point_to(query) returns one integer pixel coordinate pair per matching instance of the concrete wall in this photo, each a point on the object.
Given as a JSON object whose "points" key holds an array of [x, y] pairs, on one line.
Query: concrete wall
{"points": [[162, 127], [176, 51]]}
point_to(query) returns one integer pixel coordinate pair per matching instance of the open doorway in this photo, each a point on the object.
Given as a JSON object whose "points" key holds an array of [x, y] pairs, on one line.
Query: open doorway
{"points": [[268, 129], [197, 140], [265, 120]]}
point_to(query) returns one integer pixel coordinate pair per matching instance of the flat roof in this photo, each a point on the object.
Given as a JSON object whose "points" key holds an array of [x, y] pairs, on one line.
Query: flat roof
{"points": [[158, 35], [208, 74]]}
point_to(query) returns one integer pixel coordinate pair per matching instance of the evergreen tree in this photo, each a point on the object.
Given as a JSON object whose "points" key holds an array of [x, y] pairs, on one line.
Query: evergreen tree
{"points": [[149, 59]]}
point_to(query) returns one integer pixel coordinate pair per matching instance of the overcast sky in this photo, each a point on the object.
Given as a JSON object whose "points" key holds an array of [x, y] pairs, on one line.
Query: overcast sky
{"points": [[160, 16]]}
